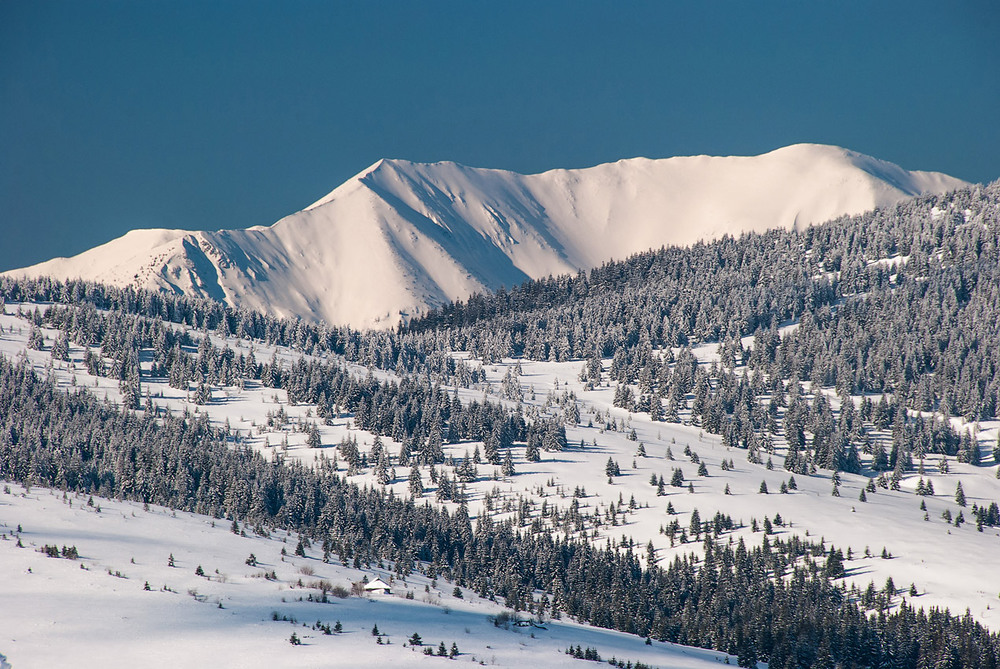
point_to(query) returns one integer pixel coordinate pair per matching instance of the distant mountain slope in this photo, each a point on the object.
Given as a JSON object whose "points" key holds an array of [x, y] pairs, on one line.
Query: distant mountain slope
{"points": [[401, 237]]}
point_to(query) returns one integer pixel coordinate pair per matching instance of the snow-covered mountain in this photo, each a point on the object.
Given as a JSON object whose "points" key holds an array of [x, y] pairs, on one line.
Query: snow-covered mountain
{"points": [[401, 237]]}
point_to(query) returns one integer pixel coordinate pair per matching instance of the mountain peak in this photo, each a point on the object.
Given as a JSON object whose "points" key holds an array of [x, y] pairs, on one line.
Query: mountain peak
{"points": [[400, 236]]}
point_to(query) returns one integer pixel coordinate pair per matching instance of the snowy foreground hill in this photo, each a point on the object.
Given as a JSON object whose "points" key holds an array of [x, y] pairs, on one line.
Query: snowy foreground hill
{"points": [[402, 237], [94, 609]]}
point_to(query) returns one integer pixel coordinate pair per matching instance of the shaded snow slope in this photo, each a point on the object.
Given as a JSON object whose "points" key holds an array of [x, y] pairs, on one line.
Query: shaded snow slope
{"points": [[401, 237]]}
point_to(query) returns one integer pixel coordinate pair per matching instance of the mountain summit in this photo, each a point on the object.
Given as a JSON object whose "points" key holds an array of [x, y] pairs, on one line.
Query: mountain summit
{"points": [[401, 237]]}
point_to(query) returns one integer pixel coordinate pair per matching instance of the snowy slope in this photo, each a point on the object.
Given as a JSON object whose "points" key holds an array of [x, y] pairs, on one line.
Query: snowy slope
{"points": [[401, 237], [94, 611]]}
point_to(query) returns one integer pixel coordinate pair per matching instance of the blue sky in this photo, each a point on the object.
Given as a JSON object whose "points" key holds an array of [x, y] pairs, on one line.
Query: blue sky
{"points": [[212, 114]]}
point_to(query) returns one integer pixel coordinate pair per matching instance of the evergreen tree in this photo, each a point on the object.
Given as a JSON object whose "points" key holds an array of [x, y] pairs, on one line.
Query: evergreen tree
{"points": [[611, 469], [508, 464], [531, 450], [60, 348], [36, 340], [416, 484], [314, 440]]}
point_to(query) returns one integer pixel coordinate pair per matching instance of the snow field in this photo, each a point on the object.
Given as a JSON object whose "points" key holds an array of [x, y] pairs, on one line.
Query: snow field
{"points": [[73, 612]]}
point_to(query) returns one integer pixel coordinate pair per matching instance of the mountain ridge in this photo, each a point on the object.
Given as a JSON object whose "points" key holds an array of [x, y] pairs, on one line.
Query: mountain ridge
{"points": [[401, 237]]}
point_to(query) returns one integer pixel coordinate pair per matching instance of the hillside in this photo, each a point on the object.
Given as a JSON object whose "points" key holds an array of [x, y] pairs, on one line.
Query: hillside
{"points": [[401, 237], [774, 446], [95, 608], [624, 510]]}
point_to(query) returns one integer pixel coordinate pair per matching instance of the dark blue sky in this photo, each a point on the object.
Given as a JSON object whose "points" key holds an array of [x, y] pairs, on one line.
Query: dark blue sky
{"points": [[210, 114]]}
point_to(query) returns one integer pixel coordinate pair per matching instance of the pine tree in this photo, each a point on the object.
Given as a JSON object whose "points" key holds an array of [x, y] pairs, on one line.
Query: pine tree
{"points": [[508, 464], [834, 564], [531, 451], [383, 473], [36, 340], [60, 347], [611, 468], [416, 484], [314, 440]]}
